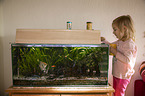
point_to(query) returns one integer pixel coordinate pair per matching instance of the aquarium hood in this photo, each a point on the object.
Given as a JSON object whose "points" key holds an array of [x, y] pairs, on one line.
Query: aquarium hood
{"points": [[57, 36]]}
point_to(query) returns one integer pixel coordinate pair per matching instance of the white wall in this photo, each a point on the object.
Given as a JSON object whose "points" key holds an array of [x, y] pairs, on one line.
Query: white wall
{"points": [[53, 14]]}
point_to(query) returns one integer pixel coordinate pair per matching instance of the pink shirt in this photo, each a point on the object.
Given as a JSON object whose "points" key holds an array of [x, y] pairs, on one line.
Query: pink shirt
{"points": [[124, 61]]}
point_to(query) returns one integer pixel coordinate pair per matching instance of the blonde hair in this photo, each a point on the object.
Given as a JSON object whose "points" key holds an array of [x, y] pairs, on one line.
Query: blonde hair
{"points": [[125, 21]]}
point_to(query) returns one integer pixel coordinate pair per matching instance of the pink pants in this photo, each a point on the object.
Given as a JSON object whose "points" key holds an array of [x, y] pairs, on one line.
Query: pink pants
{"points": [[120, 86]]}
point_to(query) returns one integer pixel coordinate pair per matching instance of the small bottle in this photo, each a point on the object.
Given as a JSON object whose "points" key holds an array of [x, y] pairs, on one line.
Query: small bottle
{"points": [[69, 25], [89, 25]]}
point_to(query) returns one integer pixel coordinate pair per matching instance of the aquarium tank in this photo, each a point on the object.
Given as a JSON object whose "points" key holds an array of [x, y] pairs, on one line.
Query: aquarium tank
{"points": [[60, 64]]}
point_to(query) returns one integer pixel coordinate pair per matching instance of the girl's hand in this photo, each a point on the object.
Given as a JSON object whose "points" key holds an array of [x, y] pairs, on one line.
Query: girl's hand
{"points": [[113, 50], [102, 38]]}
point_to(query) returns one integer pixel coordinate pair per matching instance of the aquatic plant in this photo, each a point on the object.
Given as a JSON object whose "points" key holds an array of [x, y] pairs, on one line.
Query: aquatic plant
{"points": [[68, 61]]}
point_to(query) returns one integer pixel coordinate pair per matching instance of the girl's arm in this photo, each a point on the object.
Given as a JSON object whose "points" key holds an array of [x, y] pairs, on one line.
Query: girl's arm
{"points": [[128, 53], [113, 50]]}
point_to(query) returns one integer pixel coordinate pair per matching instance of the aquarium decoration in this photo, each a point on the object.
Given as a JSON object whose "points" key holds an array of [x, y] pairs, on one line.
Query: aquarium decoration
{"points": [[60, 64]]}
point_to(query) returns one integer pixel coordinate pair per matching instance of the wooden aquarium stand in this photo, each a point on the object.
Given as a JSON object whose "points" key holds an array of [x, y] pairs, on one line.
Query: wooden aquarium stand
{"points": [[60, 91]]}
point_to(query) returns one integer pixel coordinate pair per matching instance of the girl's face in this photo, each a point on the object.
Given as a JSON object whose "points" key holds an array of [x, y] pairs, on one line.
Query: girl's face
{"points": [[117, 32]]}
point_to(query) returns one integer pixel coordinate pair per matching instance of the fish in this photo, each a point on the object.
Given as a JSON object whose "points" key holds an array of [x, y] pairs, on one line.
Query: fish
{"points": [[53, 66], [43, 66]]}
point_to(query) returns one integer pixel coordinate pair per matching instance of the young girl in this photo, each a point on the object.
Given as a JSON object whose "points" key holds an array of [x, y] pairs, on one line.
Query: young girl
{"points": [[124, 55]]}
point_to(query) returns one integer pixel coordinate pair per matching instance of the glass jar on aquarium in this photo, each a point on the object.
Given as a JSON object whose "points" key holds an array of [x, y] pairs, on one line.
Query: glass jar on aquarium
{"points": [[60, 64]]}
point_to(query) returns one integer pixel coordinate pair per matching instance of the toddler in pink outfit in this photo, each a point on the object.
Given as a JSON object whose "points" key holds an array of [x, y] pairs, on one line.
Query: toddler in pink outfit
{"points": [[124, 55]]}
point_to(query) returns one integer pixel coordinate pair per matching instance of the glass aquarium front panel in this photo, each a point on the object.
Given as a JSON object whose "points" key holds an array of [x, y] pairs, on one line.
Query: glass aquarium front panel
{"points": [[60, 64]]}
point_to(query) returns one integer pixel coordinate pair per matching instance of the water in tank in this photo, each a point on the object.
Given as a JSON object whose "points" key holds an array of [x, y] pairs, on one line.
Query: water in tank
{"points": [[60, 64]]}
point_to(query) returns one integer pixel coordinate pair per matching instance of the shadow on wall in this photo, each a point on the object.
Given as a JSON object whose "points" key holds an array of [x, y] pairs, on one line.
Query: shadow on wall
{"points": [[1, 68]]}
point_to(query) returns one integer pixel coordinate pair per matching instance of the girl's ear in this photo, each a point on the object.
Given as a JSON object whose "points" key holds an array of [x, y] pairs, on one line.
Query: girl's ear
{"points": [[125, 28]]}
